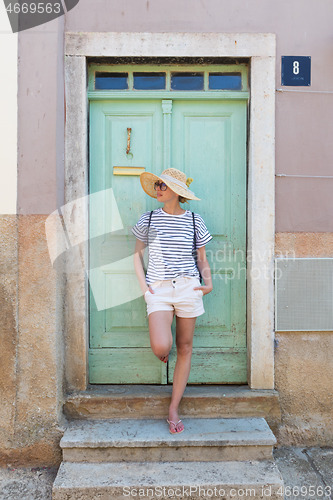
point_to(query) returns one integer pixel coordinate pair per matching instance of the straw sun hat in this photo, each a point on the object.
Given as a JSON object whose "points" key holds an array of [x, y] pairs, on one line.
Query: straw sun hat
{"points": [[173, 178]]}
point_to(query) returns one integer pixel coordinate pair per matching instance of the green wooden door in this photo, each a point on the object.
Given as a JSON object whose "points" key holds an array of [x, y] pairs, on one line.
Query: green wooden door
{"points": [[119, 340], [206, 139], [209, 141]]}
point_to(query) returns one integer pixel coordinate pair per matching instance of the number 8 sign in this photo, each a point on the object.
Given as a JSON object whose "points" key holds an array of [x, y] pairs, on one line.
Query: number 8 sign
{"points": [[296, 67], [296, 71]]}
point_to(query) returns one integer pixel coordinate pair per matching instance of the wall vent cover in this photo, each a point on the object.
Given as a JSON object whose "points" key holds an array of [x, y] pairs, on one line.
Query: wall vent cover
{"points": [[303, 294]]}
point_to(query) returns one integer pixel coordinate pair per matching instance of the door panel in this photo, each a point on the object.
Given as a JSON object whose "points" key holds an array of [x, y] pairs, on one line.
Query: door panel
{"points": [[119, 338], [214, 366], [208, 142], [126, 366]]}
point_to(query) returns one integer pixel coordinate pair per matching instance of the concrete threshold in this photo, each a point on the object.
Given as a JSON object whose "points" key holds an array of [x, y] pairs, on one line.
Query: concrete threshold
{"points": [[150, 440], [152, 401], [229, 480]]}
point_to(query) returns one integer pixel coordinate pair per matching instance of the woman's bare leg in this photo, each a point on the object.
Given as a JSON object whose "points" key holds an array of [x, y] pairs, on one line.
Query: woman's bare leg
{"points": [[184, 342], [160, 333]]}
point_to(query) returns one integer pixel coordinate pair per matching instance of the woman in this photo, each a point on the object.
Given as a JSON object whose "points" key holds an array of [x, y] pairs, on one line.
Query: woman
{"points": [[172, 283]]}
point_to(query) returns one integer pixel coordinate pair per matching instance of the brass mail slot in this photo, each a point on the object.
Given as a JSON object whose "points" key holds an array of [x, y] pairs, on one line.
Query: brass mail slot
{"points": [[128, 170]]}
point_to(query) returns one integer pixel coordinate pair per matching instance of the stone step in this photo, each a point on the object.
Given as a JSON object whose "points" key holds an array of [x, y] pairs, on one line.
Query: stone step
{"points": [[165, 480], [152, 401], [213, 439]]}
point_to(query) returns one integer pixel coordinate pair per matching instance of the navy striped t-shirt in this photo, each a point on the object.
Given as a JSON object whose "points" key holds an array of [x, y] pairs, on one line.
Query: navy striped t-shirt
{"points": [[171, 243]]}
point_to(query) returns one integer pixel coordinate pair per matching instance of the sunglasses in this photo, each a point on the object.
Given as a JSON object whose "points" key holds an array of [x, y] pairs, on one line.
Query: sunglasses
{"points": [[161, 185]]}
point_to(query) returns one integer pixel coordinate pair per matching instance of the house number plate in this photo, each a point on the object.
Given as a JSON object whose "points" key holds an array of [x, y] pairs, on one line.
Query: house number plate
{"points": [[296, 71]]}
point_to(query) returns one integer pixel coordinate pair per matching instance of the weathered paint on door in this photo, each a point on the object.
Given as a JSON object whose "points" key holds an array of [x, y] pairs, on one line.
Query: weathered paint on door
{"points": [[206, 139], [209, 140]]}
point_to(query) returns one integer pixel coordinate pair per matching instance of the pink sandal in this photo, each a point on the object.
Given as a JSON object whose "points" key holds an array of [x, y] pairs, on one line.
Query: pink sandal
{"points": [[170, 422]]}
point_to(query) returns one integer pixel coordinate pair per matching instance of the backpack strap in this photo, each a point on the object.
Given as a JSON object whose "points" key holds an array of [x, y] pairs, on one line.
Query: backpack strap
{"points": [[194, 242], [150, 215], [195, 248]]}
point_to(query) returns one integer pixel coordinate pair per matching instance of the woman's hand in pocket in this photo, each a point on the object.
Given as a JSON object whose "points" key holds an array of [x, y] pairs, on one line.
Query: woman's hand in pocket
{"points": [[204, 288]]}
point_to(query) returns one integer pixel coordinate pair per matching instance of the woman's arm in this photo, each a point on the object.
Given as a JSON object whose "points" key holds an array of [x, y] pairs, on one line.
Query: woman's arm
{"points": [[138, 264], [204, 269]]}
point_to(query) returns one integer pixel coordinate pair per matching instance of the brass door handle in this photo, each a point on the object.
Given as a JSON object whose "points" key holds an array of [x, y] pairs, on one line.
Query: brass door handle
{"points": [[128, 150]]}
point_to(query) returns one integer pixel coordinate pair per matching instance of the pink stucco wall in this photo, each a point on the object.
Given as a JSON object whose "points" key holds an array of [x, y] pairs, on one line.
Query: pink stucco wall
{"points": [[303, 119]]}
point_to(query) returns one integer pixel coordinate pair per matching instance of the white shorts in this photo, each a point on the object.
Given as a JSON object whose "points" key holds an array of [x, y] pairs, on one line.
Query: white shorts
{"points": [[176, 295]]}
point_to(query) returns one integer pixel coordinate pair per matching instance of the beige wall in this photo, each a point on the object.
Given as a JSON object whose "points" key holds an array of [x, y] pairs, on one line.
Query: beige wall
{"points": [[41, 119], [303, 125], [8, 126], [303, 120], [31, 355], [304, 362]]}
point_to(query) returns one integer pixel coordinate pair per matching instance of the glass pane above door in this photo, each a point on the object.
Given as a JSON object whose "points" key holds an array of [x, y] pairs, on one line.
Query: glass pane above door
{"points": [[111, 81], [149, 81], [225, 81], [187, 81], [141, 78]]}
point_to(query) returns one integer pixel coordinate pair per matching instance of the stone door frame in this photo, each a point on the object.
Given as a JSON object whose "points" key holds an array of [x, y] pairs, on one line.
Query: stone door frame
{"points": [[260, 49]]}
